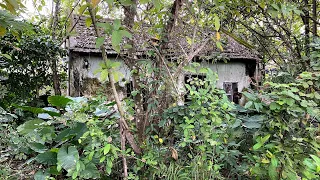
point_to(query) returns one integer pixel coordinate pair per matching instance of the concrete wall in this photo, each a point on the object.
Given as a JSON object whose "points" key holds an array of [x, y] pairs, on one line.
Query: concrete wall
{"points": [[227, 72], [230, 72], [81, 75]]}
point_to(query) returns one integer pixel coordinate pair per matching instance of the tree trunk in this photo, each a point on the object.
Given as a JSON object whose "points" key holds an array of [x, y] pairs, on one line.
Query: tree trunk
{"points": [[130, 13], [305, 19], [314, 14], [55, 75]]}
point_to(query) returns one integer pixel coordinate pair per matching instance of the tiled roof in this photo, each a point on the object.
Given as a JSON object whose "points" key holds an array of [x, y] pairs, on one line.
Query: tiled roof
{"points": [[84, 41]]}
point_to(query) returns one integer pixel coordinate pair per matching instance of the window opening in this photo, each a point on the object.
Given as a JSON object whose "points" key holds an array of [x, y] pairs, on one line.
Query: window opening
{"points": [[232, 91]]}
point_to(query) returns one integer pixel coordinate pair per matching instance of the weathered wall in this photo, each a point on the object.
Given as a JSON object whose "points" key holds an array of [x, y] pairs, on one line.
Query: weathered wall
{"points": [[83, 79], [230, 72]]}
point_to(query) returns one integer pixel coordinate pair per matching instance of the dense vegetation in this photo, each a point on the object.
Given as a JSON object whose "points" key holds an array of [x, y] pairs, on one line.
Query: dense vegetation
{"points": [[149, 135]]}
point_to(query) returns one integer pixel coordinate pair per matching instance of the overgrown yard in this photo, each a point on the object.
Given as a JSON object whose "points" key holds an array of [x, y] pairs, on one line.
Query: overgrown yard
{"points": [[150, 89]]}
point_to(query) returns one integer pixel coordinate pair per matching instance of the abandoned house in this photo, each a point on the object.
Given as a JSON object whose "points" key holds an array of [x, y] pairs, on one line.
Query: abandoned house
{"points": [[237, 66]]}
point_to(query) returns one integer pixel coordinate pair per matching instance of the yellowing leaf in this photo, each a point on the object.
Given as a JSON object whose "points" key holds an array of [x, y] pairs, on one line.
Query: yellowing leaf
{"points": [[265, 161], [2, 31], [95, 2], [218, 36], [88, 22], [160, 140]]}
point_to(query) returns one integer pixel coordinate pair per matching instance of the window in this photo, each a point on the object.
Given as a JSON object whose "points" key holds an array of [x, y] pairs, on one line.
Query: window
{"points": [[232, 92]]}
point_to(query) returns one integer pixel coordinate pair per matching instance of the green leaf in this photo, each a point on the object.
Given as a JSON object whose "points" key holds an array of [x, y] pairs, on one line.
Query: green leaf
{"points": [[29, 126], [248, 104], [316, 95], [6, 56], [261, 141], [126, 2], [157, 4], [264, 139], [59, 101], [127, 46], [116, 24], [134, 93], [190, 69], [113, 64], [203, 70], [252, 125], [219, 45], [257, 146], [38, 147], [88, 22], [53, 170], [64, 135], [125, 33], [144, 1], [68, 157], [106, 26], [117, 76], [49, 158], [216, 22], [90, 172], [316, 159], [106, 149], [274, 106], [82, 8], [91, 155], [116, 40], [104, 75], [110, 3], [274, 161], [99, 41], [272, 171], [289, 101], [305, 85], [40, 175]]}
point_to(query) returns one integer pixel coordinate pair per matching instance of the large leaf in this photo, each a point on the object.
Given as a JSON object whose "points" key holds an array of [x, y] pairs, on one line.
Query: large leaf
{"points": [[116, 24], [99, 41], [29, 126], [116, 40], [77, 131], [38, 147], [40, 175], [35, 110], [68, 157], [90, 172], [59, 101], [49, 158]]}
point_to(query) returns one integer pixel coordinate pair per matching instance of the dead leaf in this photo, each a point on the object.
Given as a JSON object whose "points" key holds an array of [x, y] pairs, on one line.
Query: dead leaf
{"points": [[109, 139], [174, 153], [95, 2]]}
